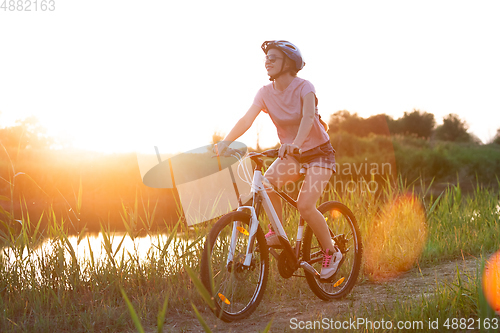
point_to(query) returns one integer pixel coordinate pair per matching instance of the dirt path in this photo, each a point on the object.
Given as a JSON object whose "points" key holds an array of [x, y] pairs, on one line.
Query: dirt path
{"points": [[307, 307]]}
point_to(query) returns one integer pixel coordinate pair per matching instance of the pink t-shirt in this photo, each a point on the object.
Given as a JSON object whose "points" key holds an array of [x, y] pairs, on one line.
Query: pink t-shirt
{"points": [[285, 110]]}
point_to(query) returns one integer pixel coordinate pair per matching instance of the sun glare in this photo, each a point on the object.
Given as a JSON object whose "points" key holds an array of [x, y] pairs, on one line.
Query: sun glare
{"points": [[491, 282], [396, 240]]}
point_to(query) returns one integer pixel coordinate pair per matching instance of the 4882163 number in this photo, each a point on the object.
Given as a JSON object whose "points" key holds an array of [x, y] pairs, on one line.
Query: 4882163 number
{"points": [[471, 323], [28, 5]]}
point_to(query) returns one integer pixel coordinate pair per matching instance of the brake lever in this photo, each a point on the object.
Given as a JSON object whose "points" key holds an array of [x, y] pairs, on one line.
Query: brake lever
{"points": [[270, 153], [229, 152], [274, 152]]}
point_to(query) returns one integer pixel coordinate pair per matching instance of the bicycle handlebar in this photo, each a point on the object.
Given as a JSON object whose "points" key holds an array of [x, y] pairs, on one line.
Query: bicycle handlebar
{"points": [[272, 153]]}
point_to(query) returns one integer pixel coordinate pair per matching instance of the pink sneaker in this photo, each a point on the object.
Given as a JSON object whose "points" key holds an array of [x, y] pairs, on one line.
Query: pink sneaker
{"points": [[330, 264], [272, 238]]}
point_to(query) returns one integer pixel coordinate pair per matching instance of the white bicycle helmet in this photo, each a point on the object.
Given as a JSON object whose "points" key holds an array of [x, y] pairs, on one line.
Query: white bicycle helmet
{"points": [[290, 50]]}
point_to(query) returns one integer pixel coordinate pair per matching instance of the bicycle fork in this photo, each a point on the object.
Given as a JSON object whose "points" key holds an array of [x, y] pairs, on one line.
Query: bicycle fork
{"points": [[254, 225], [237, 229]]}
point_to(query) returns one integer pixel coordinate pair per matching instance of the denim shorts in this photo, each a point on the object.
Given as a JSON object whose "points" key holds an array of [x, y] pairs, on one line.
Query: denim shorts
{"points": [[322, 156]]}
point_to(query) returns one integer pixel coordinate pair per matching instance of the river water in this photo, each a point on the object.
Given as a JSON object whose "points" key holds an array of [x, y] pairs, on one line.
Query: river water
{"points": [[93, 245]]}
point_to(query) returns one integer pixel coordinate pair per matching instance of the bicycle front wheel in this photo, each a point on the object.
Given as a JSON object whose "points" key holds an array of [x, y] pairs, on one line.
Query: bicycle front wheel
{"points": [[345, 233], [237, 288]]}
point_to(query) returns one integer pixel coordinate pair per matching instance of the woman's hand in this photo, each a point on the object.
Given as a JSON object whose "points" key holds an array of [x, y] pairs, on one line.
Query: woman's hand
{"points": [[220, 147], [287, 148]]}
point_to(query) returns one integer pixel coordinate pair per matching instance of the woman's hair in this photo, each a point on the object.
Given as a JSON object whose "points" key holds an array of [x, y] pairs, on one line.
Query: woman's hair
{"points": [[291, 65], [322, 122], [325, 125]]}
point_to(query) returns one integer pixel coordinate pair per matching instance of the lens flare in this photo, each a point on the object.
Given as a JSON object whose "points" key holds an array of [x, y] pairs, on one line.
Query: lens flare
{"points": [[335, 213], [395, 240], [491, 282]]}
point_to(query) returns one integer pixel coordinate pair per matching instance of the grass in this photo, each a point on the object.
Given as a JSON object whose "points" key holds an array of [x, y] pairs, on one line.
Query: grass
{"points": [[418, 158], [462, 299], [110, 180], [460, 221], [47, 289], [432, 311], [51, 288]]}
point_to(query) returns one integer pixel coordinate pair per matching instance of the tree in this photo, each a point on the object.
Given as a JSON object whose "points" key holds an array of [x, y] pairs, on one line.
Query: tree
{"points": [[27, 133], [376, 124], [496, 139], [418, 123], [344, 121], [453, 129], [394, 125]]}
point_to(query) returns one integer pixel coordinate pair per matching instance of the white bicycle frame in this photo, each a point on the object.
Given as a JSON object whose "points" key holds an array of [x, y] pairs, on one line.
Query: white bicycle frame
{"points": [[257, 190]]}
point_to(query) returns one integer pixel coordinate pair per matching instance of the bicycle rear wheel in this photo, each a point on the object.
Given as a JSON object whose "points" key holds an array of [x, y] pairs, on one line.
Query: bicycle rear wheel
{"points": [[237, 289], [344, 231]]}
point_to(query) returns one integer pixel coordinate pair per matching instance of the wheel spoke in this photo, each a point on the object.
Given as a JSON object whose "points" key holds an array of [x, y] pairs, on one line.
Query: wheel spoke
{"points": [[238, 288], [343, 231]]}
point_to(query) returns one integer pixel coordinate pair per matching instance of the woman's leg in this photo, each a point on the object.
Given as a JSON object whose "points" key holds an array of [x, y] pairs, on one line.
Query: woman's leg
{"points": [[314, 183], [279, 174]]}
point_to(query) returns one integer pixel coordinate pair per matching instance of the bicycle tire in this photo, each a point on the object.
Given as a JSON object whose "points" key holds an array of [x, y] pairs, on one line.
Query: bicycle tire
{"points": [[243, 297], [344, 227]]}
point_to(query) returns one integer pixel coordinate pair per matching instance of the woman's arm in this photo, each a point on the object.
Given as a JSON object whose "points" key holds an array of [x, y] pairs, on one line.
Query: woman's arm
{"points": [[308, 114], [243, 124], [306, 123]]}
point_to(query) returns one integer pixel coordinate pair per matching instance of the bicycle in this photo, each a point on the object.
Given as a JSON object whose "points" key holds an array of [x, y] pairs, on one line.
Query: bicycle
{"points": [[235, 262]]}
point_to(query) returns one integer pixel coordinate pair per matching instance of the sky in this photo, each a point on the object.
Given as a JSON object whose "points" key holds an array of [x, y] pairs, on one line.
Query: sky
{"points": [[122, 76]]}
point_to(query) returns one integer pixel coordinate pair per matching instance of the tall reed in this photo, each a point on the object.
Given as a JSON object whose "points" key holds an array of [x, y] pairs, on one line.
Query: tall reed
{"points": [[45, 286]]}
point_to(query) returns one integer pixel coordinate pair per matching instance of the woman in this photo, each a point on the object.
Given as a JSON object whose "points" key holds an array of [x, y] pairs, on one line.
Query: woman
{"points": [[291, 103]]}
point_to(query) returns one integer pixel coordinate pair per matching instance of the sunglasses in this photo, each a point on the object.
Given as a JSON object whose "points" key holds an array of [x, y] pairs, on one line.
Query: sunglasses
{"points": [[271, 58]]}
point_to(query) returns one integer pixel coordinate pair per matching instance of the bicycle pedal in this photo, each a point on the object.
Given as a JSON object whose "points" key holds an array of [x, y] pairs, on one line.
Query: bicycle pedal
{"points": [[335, 280]]}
